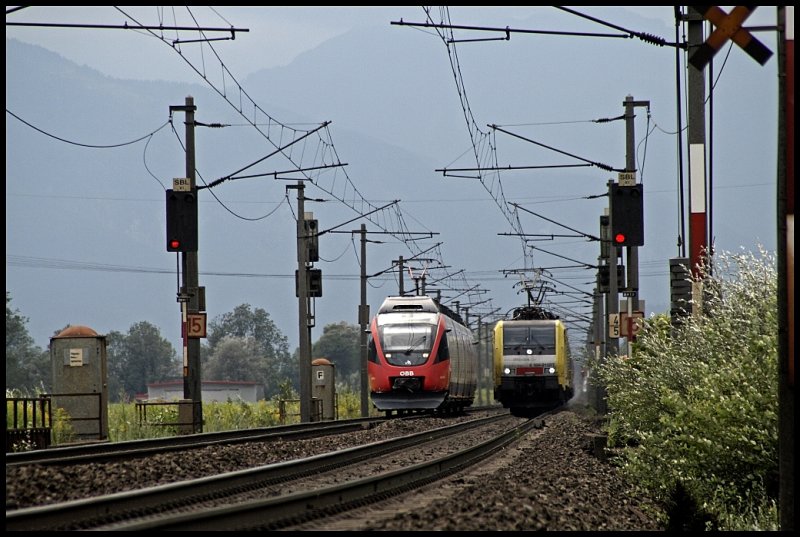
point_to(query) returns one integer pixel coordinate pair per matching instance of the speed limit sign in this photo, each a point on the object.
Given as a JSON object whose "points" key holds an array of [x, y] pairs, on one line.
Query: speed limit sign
{"points": [[196, 325]]}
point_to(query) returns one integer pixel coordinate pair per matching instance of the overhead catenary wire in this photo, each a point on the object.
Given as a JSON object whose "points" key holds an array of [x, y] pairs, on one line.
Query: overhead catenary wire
{"points": [[80, 144], [488, 171], [225, 84], [220, 202], [482, 146]]}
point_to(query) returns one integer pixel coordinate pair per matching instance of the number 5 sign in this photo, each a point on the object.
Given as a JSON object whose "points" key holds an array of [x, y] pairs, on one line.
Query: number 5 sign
{"points": [[196, 324]]}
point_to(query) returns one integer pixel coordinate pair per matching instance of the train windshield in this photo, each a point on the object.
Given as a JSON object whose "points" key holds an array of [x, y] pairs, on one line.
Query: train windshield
{"points": [[407, 343], [529, 340]]}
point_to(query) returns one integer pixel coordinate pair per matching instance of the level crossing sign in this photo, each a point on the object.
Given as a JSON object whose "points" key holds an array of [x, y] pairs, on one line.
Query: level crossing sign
{"points": [[728, 26]]}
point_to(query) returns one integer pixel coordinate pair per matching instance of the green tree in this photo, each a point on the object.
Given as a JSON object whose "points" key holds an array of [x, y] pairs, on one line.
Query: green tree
{"points": [[116, 364], [234, 358], [27, 366], [341, 344], [140, 357], [274, 363]]}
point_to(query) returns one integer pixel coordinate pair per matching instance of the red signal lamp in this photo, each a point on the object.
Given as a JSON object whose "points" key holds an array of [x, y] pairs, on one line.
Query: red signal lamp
{"points": [[181, 221], [619, 238]]}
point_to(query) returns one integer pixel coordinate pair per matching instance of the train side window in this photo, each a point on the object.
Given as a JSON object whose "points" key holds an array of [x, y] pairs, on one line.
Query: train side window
{"points": [[444, 350], [372, 351]]}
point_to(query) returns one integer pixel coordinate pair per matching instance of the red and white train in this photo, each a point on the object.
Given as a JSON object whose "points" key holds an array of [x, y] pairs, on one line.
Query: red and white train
{"points": [[421, 357]]}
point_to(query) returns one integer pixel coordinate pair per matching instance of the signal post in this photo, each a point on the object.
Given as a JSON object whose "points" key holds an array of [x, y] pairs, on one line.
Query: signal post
{"points": [[182, 237], [622, 227]]}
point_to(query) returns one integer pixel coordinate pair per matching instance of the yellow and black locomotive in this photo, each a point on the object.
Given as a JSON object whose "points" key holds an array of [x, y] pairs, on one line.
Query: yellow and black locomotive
{"points": [[532, 362]]}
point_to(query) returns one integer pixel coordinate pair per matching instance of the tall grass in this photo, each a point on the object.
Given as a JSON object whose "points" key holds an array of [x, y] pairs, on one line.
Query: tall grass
{"points": [[125, 423]]}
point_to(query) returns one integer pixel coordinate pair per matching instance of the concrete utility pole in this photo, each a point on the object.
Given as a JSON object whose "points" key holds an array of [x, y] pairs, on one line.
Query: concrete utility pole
{"points": [[363, 320], [632, 287], [612, 298], [602, 314], [190, 289], [304, 329], [612, 303], [484, 380], [600, 331], [400, 270], [630, 166], [479, 379], [485, 371]]}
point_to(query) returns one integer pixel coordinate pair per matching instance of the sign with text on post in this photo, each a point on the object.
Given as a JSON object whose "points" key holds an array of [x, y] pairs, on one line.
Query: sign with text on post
{"points": [[195, 325], [613, 325], [181, 184], [626, 178], [630, 325]]}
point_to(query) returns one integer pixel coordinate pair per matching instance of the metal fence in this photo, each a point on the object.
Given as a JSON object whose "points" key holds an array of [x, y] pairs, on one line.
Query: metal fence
{"points": [[283, 413], [28, 423], [186, 411]]}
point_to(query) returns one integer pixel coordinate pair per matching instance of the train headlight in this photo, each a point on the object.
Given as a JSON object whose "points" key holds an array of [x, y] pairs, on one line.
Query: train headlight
{"points": [[552, 370], [507, 371], [529, 351]]}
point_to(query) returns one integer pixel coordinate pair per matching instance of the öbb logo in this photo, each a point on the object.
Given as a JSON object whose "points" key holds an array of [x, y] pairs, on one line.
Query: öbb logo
{"points": [[406, 373]]}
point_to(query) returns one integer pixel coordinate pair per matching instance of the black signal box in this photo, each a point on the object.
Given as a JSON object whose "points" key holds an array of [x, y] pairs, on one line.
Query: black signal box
{"points": [[181, 221], [627, 215]]}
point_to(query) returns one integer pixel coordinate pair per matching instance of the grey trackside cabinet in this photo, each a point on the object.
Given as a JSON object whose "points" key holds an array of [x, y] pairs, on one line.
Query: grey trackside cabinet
{"points": [[324, 386], [80, 380]]}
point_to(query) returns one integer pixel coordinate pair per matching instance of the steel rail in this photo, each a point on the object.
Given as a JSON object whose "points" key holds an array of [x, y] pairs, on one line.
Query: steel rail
{"points": [[277, 513], [92, 513]]}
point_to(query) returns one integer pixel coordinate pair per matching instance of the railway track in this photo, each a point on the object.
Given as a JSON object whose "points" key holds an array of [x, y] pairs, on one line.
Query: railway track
{"points": [[110, 451], [282, 494]]}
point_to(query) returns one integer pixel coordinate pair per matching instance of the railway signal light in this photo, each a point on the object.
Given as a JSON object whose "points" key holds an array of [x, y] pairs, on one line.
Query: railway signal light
{"points": [[313, 283], [311, 228], [627, 215], [603, 278], [181, 221]]}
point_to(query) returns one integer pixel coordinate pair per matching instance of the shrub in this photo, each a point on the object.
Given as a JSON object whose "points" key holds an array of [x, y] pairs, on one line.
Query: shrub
{"points": [[697, 409]]}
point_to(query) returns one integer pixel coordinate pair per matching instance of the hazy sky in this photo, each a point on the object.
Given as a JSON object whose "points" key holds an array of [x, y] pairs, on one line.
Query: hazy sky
{"points": [[275, 35], [278, 35]]}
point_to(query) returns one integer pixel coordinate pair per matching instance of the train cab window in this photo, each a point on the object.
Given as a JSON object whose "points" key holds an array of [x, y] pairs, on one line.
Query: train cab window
{"points": [[536, 339], [407, 343], [515, 337], [543, 339]]}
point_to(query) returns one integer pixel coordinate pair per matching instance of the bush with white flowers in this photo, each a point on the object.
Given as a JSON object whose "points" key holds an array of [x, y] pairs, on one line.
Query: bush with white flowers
{"points": [[696, 407]]}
